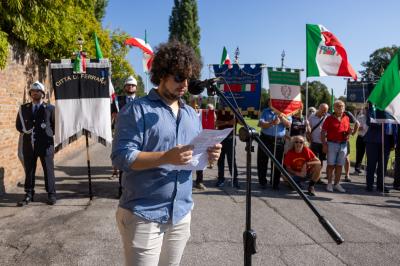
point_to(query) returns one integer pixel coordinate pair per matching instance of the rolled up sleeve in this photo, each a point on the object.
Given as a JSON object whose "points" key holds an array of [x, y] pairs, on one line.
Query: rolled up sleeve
{"points": [[128, 138]]}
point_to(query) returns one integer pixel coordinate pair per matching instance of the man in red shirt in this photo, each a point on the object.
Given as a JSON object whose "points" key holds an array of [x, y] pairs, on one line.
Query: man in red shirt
{"points": [[334, 135], [300, 162]]}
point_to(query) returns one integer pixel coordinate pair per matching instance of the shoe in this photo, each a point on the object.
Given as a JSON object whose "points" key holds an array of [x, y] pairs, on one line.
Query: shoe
{"points": [[51, 199], [357, 171], [220, 183], [320, 182], [275, 188], [200, 186], [114, 175], [368, 189], [385, 189], [339, 188], [347, 179], [25, 201], [311, 191], [329, 188], [263, 186], [396, 187], [236, 183]]}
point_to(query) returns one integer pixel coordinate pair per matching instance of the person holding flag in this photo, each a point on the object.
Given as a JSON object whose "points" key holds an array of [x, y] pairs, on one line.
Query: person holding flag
{"points": [[273, 129], [386, 97]]}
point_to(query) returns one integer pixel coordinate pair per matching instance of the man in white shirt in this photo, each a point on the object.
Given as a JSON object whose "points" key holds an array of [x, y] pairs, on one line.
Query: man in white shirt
{"points": [[314, 135]]}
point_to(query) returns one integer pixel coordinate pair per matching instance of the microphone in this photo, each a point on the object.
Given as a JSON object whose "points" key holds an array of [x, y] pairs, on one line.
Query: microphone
{"points": [[197, 86]]}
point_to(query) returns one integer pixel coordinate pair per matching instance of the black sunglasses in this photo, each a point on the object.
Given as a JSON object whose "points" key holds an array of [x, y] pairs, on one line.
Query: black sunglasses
{"points": [[299, 142], [180, 78]]}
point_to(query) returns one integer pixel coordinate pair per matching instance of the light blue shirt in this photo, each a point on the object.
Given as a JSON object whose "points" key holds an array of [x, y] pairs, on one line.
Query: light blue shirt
{"points": [[268, 116], [147, 124]]}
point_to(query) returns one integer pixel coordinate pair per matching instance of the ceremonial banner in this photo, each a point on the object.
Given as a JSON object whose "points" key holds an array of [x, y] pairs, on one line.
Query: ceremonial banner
{"points": [[358, 91], [284, 90], [82, 100], [244, 84]]}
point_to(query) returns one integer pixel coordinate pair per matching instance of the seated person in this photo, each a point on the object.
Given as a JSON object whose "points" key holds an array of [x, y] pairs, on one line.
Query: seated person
{"points": [[300, 162]]}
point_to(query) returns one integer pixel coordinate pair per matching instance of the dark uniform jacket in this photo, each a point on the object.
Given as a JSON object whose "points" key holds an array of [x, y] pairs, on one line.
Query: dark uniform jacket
{"points": [[43, 128], [121, 99]]}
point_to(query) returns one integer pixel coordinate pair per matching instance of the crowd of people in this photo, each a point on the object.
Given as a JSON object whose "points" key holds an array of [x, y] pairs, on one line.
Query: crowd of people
{"points": [[153, 134]]}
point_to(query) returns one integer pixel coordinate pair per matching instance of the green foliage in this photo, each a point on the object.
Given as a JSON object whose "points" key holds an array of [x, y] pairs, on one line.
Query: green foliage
{"points": [[140, 86], [3, 49], [100, 9], [317, 93], [121, 69], [264, 98], [51, 27], [378, 61], [183, 24]]}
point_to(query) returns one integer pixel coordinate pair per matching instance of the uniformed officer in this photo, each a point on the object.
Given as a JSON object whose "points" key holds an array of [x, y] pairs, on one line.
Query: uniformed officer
{"points": [[35, 120], [129, 91]]}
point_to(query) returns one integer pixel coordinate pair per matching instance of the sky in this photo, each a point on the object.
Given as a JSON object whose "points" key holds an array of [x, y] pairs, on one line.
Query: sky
{"points": [[262, 29]]}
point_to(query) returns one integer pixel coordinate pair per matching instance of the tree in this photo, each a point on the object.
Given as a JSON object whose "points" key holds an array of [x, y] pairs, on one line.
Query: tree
{"points": [[317, 93], [264, 98], [100, 9], [183, 24], [51, 28], [378, 61]]}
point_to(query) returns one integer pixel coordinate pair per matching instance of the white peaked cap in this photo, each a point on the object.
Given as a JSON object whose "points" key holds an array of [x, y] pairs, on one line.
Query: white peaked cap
{"points": [[130, 80], [37, 86]]}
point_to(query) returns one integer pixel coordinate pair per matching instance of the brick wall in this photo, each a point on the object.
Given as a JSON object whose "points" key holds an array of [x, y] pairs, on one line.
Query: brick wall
{"points": [[23, 68]]}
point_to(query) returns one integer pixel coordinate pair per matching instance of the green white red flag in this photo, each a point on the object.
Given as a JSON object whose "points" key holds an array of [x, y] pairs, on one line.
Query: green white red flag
{"points": [[79, 63], [326, 56], [225, 60], [249, 87], [386, 94], [147, 51], [284, 90]]}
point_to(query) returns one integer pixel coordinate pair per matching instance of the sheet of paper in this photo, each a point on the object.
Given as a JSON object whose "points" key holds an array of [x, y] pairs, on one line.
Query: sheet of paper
{"points": [[205, 139]]}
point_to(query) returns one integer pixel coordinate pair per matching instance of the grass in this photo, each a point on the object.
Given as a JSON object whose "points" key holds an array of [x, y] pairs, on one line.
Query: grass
{"points": [[253, 123]]}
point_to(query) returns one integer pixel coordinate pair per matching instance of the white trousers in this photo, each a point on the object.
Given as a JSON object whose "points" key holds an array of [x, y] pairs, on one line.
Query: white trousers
{"points": [[148, 243]]}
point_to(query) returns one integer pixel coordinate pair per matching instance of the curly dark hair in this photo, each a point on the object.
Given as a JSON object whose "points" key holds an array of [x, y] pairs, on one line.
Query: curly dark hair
{"points": [[174, 58]]}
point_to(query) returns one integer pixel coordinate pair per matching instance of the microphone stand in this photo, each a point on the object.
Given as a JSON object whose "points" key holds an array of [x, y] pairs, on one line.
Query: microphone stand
{"points": [[247, 134]]}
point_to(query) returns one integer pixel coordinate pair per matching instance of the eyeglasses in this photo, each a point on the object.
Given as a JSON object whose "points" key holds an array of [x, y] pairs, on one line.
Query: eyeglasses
{"points": [[180, 78], [299, 142]]}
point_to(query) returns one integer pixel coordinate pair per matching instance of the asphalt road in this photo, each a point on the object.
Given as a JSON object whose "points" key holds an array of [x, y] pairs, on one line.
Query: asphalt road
{"points": [[77, 231]]}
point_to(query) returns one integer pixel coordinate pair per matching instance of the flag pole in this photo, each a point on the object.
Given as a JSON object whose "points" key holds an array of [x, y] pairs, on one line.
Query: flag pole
{"points": [[383, 158], [88, 165], [272, 165], [233, 151], [306, 97], [80, 42]]}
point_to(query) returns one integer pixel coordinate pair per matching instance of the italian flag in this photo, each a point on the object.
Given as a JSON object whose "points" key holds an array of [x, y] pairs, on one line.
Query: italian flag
{"points": [[284, 91], [250, 87], [80, 63], [147, 51], [386, 94], [225, 60], [326, 56]]}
